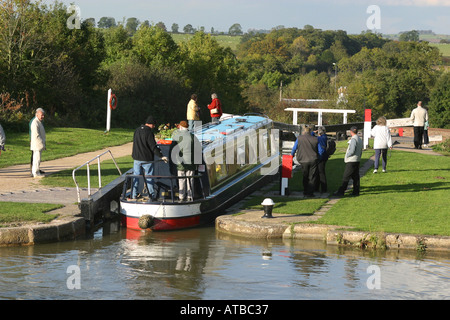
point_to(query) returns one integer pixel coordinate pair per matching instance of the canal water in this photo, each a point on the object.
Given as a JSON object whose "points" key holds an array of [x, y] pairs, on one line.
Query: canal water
{"points": [[202, 264]]}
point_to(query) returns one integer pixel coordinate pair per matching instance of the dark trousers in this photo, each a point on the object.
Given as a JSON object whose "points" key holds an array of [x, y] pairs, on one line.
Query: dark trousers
{"points": [[351, 172], [309, 170], [383, 153], [418, 137], [426, 139], [321, 180]]}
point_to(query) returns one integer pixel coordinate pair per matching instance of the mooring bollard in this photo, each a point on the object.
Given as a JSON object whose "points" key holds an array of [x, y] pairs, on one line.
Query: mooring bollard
{"points": [[268, 207]]}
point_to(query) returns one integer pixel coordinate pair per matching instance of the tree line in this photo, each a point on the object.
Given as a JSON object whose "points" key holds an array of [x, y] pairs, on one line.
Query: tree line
{"points": [[43, 63], [132, 24]]}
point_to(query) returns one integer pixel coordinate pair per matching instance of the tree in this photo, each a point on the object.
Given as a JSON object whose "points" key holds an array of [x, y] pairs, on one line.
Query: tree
{"points": [[132, 25], [409, 36], [235, 29], [91, 21], [390, 80], [188, 29], [161, 25], [439, 106], [154, 46], [106, 22], [175, 28], [19, 42], [211, 67], [118, 44]]}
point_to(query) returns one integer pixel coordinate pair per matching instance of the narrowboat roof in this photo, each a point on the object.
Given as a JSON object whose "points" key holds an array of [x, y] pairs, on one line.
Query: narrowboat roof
{"points": [[229, 127]]}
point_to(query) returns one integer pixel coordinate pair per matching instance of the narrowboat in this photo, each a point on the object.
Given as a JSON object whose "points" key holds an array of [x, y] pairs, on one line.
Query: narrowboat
{"points": [[238, 155]]}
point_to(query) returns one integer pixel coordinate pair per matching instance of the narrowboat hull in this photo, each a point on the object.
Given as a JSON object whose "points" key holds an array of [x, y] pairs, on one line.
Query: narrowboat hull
{"points": [[167, 216]]}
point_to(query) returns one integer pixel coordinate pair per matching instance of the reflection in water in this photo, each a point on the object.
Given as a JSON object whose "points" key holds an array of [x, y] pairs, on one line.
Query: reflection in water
{"points": [[202, 264]]}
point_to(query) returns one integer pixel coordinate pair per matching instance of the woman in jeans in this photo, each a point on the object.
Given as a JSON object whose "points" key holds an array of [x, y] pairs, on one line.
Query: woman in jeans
{"points": [[381, 142]]}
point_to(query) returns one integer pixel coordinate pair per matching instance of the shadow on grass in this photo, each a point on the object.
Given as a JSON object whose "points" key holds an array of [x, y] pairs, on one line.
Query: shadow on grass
{"points": [[412, 187]]}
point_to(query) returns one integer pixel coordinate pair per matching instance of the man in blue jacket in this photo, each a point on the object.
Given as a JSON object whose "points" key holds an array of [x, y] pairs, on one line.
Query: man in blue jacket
{"points": [[306, 148]]}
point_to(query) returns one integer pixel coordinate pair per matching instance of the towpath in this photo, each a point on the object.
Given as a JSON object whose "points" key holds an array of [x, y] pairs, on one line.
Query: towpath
{"points": [[16, 185]]}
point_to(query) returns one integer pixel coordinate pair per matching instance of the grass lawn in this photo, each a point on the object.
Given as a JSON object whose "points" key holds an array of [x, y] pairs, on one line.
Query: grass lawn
{"points": [[223, 40], [285, 205], [12, 214], [61, 142], [412, 197]]}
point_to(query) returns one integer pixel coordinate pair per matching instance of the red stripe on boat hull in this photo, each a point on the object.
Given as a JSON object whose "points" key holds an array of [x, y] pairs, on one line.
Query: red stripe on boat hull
{"points": [[163, 224]]}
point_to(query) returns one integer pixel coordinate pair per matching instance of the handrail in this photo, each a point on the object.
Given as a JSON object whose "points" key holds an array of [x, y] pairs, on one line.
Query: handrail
{"points": [[87, 163]]}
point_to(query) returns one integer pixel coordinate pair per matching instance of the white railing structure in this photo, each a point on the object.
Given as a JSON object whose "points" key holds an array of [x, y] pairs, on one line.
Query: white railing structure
{"points": [[320, 112], [87, 164]]}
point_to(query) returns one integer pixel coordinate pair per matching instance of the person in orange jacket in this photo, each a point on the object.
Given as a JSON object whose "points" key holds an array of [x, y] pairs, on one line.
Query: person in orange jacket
{"points": [[215, 108]]}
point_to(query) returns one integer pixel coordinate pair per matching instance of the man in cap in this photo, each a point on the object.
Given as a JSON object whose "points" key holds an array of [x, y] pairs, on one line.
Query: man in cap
{"points": [[352, 160], [183, 154], [144, 151]]}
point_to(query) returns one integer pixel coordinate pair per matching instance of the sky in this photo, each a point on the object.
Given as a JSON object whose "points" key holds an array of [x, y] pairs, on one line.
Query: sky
{"points": [[353, 16]]}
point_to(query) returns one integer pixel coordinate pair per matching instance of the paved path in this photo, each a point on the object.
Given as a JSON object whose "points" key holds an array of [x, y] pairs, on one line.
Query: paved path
{"points": [[16, 185]]}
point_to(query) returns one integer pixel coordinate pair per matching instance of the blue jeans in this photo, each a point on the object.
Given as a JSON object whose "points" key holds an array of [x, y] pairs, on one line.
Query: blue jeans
{"points": [[148, 171]]}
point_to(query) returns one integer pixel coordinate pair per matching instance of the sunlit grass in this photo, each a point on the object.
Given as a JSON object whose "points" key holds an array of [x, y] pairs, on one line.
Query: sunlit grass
{"points": [[17, 213], [61, 142]]}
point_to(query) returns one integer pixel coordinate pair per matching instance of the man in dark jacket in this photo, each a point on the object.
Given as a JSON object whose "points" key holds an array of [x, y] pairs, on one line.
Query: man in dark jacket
{"points": [[144, 151], [306, 148]]}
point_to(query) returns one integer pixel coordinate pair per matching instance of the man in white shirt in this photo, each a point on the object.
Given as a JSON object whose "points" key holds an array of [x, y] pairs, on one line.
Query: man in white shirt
{"points": [[419, 116], [38, 142]]}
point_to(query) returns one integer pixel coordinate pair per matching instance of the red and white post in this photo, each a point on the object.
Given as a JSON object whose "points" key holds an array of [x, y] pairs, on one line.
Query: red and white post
{"points": [[367, 127]]}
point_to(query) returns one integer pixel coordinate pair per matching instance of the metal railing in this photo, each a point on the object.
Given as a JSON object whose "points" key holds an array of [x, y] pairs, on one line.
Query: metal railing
{"points": [[87, 164], [168, 189]]}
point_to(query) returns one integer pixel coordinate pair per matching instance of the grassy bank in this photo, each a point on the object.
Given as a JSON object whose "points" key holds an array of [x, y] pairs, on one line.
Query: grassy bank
{"points": [[14, 214], [61, 142], [412, 197]]}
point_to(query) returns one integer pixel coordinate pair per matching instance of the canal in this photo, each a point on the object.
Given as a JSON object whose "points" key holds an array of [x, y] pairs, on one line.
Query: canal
{"points": [[201, 264]]}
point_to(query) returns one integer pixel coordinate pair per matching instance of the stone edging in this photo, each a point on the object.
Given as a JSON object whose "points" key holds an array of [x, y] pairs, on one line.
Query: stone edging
{"points": [[66, 227], [333, 235]]}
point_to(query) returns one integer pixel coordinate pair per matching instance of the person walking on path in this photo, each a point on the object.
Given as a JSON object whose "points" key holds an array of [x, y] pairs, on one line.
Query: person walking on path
{"points": [[306, 148], [38, 142], [192, 113], [352, 160], [426, 137], [215, 108], [381, 143], [143, 154], [419, 116], [186, 145], [2, 139]]}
